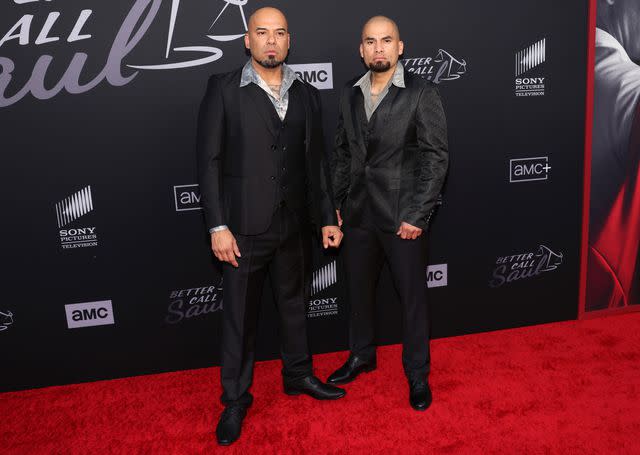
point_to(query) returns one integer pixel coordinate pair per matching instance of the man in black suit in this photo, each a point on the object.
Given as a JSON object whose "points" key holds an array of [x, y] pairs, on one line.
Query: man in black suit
{"points": [[390, 163], [263, 181]]}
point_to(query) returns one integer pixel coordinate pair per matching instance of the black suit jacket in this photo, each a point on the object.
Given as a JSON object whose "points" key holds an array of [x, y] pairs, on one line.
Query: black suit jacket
{"points": [[397, 162], [235, 156]]}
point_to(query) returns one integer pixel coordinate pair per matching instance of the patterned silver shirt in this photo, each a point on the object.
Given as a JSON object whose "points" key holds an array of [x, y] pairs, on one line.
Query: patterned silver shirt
{"points": [[370, 105], [281, 103]]}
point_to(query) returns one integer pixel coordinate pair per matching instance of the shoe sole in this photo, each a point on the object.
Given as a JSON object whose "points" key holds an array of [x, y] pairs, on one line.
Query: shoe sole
{"points": [[293, 393], [366, 370]]}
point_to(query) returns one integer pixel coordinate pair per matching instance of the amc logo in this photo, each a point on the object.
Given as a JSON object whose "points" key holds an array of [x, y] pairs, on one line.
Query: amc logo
{"points": [[529, 169], [436, 275], [187, 197], [320, 75], [89, 314]]}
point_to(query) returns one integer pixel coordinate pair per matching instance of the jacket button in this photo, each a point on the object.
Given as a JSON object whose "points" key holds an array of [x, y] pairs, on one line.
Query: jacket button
{"points": [[273, 147], [272, 177], [284, 149]]}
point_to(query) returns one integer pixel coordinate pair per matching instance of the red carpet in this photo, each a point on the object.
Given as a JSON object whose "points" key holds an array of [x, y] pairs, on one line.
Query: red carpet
{"points": [[565, 388]]}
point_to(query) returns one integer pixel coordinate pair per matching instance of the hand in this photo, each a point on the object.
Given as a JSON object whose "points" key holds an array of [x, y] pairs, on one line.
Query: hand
{"points": [[224, 246], [408, 232], [331, 236], [339, 218]]}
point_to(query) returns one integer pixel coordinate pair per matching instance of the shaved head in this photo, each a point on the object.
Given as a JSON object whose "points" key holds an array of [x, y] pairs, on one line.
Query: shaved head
{"points": [[267, 13], [377, 20]]}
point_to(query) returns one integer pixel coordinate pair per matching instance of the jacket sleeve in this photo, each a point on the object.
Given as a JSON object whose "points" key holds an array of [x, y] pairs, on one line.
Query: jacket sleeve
{"points": [[433, 155], [210, 149], [324, 193], [341, 161]]}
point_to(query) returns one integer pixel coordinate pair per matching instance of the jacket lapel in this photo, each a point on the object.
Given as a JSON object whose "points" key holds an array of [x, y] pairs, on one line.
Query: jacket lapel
{"points": [[264, 107], [358, 116]]}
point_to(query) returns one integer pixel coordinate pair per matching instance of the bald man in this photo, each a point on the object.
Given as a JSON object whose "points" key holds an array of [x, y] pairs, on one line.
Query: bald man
{"points": [[263, 178], [390, 162], [614, 230]]}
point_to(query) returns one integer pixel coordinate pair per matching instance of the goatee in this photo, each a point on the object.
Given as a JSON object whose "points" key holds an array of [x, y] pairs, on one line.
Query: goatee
{"points": [[380, 66], [269, 62]]}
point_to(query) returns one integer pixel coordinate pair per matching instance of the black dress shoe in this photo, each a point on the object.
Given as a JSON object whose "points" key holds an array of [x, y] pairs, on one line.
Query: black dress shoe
{"points": [[313, 387], [420, 395], [351, 369], [230, 424]]}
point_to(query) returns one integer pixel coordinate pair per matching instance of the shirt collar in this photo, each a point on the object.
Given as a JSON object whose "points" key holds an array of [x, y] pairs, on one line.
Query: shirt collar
{"points": [[397, 79], [249, 75]]}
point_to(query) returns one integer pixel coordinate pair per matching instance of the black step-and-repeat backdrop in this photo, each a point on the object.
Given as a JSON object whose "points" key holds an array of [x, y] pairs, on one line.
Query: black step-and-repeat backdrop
{"points": [[106, 265]]}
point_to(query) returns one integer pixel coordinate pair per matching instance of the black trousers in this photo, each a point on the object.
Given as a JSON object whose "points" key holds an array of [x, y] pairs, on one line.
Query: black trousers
{"points": [[283, 252], [365, 250]]}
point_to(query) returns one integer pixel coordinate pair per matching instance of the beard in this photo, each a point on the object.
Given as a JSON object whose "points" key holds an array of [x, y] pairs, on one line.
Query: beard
{"points": [[380, 66], [270, 62]]}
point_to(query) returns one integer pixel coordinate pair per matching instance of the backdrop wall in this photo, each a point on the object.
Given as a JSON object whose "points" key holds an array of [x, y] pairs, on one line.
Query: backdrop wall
{"points": [[107, 267], [613, 253]]}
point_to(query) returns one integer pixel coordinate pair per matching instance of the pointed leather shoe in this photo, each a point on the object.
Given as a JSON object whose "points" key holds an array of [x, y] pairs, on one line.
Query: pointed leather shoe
{"points": [[230, 424], [351, 369], [420, 396], [312, 386]]}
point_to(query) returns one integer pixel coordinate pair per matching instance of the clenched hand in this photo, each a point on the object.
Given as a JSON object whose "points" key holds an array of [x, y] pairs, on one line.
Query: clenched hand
{"points": [[331, 236], [408, 232]]}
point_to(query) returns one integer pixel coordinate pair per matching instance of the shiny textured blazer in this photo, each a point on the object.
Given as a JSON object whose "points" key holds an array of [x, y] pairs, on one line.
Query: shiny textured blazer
{"points": [[396, 162], [236, 167]]}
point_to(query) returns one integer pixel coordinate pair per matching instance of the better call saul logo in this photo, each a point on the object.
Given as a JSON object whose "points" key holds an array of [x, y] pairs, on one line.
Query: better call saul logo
{"points": [[57, 28], [193, 303], [6, 319], [89, 314], [443, 67], [515, 267]]}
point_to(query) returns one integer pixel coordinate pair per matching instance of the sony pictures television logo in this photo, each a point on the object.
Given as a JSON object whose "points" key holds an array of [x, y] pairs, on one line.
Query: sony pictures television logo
{"points": [[68, 211], [187, 197], [529, 169], [89, 314], [529, 82], [323, 278]]}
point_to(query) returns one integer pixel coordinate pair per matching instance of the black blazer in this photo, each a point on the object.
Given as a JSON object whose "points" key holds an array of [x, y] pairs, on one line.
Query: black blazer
{"points": [[397, 161], [235, 158]]}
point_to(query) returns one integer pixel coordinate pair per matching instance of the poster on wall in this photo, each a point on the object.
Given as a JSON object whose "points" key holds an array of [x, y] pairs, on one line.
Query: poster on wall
{"points": [[613, 260]]}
